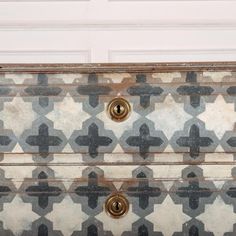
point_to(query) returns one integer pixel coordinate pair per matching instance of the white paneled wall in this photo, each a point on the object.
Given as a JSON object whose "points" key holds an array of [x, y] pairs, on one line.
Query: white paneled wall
{"points": [[80, 31]]}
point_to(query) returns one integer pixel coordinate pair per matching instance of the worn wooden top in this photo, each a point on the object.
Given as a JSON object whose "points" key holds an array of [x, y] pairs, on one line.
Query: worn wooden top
{"points": [[119, 67]]}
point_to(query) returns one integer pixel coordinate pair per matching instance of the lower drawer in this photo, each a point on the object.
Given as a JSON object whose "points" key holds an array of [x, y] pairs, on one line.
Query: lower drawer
{"points": [[74, 198]]}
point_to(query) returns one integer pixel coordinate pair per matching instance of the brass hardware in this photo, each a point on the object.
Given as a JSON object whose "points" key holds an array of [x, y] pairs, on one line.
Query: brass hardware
{"points": [[119, 109], [116, 206]]}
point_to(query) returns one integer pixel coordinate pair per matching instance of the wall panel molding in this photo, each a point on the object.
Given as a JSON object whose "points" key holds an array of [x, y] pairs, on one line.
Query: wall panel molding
{"points": [[45, 56], [101, 31], [117, 46], [104, 14], [118, 26], [175, 55]]}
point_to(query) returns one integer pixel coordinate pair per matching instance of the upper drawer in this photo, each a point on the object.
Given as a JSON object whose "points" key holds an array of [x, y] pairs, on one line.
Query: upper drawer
{"points": [[185, 109]]}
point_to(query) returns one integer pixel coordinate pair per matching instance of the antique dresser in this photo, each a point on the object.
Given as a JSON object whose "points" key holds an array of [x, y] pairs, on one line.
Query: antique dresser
{"points": [[120, 149]]}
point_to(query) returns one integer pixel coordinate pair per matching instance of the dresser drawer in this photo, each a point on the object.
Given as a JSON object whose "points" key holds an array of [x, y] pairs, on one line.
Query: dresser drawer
{"points": [[118, 149]]}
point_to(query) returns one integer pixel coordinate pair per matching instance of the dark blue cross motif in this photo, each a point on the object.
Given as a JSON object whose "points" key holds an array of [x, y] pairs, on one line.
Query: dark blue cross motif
{"points": [[193, 229], [43, 191], [43, 230], [232, 142], [43, 90], [93, 140], [4, 91], [144, 141], [92, 191], [92, 230], [194, 141], [143, 191], [93, 90], [43, 140], [193, 192], [144, 90], [41, 227], [4, 191], [195, 91], [232, 91], [231, 192], [5, 140], [143, 230]]}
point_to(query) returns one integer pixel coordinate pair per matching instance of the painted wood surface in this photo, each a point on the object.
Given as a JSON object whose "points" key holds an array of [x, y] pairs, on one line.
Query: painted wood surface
{"points": [[173, 158]]}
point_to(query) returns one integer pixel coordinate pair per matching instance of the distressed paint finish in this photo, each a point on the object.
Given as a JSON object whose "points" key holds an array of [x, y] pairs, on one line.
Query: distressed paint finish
{"points": [[61, 155]]}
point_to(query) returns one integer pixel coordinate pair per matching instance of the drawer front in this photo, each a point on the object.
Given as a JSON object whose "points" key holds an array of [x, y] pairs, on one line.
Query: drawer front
{"points": [[118, 152], [190, 113]]}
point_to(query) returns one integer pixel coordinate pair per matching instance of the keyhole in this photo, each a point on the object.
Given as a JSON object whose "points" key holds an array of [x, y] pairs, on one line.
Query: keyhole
{"points": [[117, 206], [118, 109]]}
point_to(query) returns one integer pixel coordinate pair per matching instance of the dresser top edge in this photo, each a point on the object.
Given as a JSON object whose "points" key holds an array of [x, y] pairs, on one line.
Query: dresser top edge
{"points": [[118, 67]]}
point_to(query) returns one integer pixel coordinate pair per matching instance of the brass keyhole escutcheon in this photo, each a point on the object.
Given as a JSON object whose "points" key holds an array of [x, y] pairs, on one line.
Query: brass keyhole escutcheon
{"points": [[119, 109], [116, 206]]}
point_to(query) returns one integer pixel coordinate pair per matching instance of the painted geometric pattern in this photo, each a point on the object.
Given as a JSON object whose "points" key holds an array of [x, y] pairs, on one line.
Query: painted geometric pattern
{"points": [[61, 156]]}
